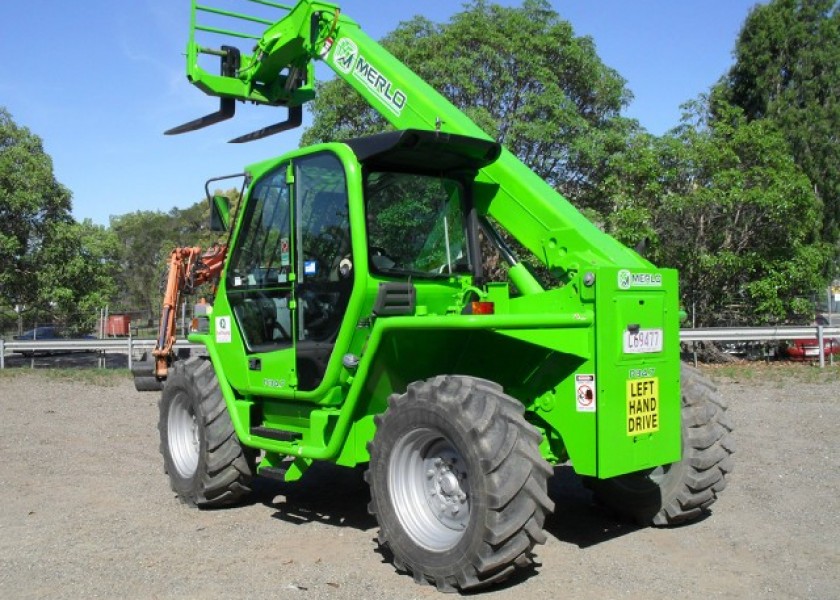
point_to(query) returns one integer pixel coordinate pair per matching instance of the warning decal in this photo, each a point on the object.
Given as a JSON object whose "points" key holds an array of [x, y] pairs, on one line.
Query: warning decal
{"points": [[642, 405], [585, 393]]}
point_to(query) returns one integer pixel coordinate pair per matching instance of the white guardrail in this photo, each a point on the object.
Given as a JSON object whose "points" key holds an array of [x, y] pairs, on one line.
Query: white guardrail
{"points": [[129, 345], [102, 347], [761, 334]]}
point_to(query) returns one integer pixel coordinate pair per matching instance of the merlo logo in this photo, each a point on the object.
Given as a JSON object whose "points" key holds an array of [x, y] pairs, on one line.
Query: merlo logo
{"points": [[345, 55]]}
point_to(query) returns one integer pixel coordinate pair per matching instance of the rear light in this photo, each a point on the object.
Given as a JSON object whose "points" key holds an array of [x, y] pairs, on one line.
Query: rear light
{"points": [[482, 308]]}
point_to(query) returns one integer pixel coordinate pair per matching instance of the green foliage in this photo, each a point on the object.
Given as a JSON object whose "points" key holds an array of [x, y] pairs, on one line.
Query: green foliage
{"points": [[520, 73], [49, 264], [523, 76], [32, 204], [722, 201], [787, 71], [146, 240], [77, 274]]}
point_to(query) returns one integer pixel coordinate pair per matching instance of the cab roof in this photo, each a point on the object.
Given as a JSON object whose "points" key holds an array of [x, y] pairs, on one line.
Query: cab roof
{"points": [[423, 151]]}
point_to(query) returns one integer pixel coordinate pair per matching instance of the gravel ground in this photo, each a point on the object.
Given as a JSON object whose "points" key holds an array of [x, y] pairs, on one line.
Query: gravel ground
{"points": [[87, 511]]}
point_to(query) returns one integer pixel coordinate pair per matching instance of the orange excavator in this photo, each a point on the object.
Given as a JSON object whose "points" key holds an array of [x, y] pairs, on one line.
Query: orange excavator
{"points": [[189, 268]]}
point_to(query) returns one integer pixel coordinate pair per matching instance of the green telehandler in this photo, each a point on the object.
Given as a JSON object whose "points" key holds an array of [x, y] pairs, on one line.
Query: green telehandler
{"points": [[352, 323]]}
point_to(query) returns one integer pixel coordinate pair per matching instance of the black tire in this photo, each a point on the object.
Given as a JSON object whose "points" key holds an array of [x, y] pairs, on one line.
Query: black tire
{"points": [[145, 383], [684, 491], [206, 463], [458, 484]]}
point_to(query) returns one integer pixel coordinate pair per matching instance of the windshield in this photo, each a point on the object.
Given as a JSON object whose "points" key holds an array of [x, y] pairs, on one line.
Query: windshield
{"points": [[415, 225]]}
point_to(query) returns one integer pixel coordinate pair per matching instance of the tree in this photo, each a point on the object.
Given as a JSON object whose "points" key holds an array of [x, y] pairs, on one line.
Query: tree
{"points": [[49, 264], [77, 277], [521, 74], [32, 203], [720, 199], [787, 70], [146, 240]]}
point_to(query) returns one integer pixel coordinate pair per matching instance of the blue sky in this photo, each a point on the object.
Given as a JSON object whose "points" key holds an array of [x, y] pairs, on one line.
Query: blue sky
{"points": [[99, 81]]}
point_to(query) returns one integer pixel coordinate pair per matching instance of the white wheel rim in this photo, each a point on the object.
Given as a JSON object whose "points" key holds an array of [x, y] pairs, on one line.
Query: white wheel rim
{"points": [[429, 487], [183, 436]]}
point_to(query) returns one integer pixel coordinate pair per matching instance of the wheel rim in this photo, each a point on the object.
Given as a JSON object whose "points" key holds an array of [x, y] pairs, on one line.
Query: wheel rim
{"points": [[429, 489], [183, 436]]}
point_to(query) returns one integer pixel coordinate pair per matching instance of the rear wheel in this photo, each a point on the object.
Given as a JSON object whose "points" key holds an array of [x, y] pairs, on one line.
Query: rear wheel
{"points": [[683, 491], [207, 465], [458, 485]]}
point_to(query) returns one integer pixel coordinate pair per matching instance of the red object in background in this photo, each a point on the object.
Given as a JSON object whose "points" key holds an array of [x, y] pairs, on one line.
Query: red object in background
{"points": [[809, 349], [118, 325]]}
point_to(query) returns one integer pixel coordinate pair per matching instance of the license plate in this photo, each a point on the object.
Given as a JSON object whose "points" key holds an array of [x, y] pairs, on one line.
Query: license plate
{"points": [[643, 341], [812, 352]]}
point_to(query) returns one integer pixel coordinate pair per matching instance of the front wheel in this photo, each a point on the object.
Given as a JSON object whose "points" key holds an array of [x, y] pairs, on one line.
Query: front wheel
{"points": [[683, 491], [458, 485], [207, 465]]}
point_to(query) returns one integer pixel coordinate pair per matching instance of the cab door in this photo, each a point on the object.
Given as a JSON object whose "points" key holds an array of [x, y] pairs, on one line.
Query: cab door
{"points": [[260, 285], [324, 265], [290, 276]]}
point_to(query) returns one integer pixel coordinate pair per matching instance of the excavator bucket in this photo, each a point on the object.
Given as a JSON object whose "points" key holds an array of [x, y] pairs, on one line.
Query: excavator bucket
{"points": [[144, 376]]}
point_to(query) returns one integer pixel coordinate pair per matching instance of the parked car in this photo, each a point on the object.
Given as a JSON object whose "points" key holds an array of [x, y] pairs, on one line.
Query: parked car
{"points": [[45, 332], [809, 349]]}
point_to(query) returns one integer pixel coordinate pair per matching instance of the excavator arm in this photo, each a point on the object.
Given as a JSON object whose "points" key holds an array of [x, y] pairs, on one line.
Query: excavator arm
{"points": [[188, 269], [279, 72]]}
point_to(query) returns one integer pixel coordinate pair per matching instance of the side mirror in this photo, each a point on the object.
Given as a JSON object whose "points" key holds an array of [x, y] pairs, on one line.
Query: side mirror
{"points": [[219, 213]]}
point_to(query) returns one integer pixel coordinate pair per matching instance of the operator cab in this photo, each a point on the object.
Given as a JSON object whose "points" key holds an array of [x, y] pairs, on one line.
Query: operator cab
{"points": [[292, 272]]}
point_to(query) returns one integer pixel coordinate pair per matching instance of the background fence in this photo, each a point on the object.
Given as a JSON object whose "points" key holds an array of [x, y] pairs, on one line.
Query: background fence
{"points": [[104, 322], [134, 347]]}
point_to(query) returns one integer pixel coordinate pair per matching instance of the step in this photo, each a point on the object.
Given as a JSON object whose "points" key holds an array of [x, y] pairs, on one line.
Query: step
{"points": [[276, 434]]}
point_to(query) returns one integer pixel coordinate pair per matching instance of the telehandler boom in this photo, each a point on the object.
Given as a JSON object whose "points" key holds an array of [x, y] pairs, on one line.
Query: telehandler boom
{"points": [[353, 323]]}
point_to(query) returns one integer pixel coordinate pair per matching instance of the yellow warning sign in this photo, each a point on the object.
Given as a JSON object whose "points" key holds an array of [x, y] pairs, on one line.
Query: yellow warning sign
{"points": [[642, 405]]}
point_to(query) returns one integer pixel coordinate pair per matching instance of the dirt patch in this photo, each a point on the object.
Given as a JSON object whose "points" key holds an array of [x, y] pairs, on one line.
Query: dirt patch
{"points": [[87, 511]]}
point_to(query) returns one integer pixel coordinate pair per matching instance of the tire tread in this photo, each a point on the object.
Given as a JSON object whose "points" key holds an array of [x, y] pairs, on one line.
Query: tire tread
{"points": [[224, 473], [509, 458]]}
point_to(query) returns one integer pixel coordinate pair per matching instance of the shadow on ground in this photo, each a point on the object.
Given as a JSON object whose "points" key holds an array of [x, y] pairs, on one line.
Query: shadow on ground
{"points": [[577, 519], [339, 496], [326, 494]]}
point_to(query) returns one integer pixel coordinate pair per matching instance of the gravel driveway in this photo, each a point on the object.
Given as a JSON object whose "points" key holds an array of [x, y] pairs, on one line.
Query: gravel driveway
{"points": [[87, 511]]}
